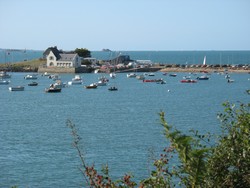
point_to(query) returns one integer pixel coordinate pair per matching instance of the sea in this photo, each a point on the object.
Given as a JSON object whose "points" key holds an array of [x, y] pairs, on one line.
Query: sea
{"points": [[119, 128]]}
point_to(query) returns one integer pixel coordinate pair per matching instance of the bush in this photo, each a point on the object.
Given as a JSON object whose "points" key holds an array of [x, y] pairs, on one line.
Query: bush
{"points": [[225, 164]]}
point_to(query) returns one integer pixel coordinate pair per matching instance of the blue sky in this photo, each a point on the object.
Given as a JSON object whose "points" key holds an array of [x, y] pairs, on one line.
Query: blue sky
{"points": [[125, 24]]}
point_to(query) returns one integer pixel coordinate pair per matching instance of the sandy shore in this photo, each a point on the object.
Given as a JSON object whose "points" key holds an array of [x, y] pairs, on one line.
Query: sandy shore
{"points": [[209, 70]]}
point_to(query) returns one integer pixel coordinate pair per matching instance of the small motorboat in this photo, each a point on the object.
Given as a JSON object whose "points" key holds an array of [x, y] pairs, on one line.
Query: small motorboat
{"points": [[153, 80], [4, 82], [131, 75], [151, 74], [76, 80], [188, 81], [53, 88], [33, 84], [30, 77], [112, 75], [161, 82], [173, 75], [4, 75], [204, 77], [16, 88], [91, 86], [101, 83], [113, 88], [140, 77]]}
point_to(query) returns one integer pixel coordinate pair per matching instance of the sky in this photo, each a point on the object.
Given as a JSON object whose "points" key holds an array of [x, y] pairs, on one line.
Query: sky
{"points": [[125, 24]]}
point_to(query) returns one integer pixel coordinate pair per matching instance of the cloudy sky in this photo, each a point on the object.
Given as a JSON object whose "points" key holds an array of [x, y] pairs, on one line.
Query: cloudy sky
{"points": [[125, 24]]}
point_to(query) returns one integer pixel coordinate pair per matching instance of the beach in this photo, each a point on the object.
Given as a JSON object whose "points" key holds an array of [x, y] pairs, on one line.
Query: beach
{"points": [[209, 70]]}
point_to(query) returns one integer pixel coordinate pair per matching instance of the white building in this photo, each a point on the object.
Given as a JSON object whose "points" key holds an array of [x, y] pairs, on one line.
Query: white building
{"points": [[91, 60], [57, 59]]}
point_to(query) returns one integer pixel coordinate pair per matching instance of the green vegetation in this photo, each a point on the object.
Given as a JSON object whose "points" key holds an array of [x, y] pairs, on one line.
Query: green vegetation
{"points": [[83, 52], [25, 66], [223, 164]]}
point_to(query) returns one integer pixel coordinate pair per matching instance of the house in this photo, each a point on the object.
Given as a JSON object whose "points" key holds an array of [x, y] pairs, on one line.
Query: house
{"points": [[56, 58]]}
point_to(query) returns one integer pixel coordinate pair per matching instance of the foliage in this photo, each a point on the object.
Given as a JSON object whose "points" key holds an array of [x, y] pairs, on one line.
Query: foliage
{"points": [[86, 62], [225, 164], [229, 166], [192, 155], [83, 52], [90, 174]]}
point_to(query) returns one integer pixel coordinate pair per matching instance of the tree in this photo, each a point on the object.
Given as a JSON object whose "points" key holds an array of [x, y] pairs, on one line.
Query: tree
{"points": [[229, 166], [83, 52]]}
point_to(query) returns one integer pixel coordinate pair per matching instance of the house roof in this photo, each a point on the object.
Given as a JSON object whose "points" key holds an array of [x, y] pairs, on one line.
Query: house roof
{"points": [[55, 51], [67, 57]]}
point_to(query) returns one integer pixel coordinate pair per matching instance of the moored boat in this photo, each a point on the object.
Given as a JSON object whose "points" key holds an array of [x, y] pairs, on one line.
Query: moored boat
{"points": [[203, 77], [91, 86], [112, 75], [153, 80], [4, 75], [30, 77], [113, 88], [16, 88], [188, 81], [101, 83], [33, 84], [131, 75], [76, 80], [173, 75], [53, 88], [4, 82]]}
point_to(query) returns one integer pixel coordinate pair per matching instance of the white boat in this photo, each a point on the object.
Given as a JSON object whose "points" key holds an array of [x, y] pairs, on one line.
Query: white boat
{"points": [[30, 77], [16, 88], [131, 75], [101, 83], [140, 77], [151, 74], [112, 75], [76, 80], [4, 75], [203, 77], [4, 82], [46, 74]]}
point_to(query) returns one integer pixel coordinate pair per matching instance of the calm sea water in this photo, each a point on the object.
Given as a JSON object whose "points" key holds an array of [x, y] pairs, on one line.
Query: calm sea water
{"points": [[117, 128], [166, 57]]}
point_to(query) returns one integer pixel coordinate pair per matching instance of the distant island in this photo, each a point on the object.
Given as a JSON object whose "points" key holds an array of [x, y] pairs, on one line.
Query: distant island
{"points": [[106, 50]]}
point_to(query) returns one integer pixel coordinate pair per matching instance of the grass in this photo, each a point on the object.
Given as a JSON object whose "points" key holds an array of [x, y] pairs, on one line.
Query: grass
{"points": [[23, 66]]}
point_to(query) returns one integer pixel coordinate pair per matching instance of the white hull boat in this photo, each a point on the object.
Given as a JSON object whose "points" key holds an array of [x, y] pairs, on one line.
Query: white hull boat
{"points": [[16, 88]]}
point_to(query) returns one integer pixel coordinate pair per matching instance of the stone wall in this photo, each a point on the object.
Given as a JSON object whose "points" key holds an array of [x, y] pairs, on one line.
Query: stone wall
{"points": [[43, 69]]}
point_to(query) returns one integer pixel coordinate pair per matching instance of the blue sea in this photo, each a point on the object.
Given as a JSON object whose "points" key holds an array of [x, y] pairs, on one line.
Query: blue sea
{"points": [[165, 57], [119, 128]]}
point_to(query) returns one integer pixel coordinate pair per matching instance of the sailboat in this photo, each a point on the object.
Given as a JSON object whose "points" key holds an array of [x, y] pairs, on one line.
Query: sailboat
{"points": [[113, 75], [204, 62]]}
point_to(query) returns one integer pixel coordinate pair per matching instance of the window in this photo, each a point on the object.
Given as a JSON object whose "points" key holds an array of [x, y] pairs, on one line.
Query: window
{"points": [[51, 58], [51, 64]]}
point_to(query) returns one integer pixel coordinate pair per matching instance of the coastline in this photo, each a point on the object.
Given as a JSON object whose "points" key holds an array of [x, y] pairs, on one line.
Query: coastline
{"points": [[34, 65], [208, 70]]}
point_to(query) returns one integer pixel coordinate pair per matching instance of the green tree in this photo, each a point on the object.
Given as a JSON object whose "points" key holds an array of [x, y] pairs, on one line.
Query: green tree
{"points": [[229, 166], [83, 52]]}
